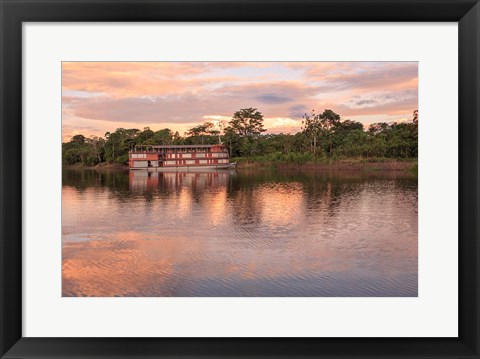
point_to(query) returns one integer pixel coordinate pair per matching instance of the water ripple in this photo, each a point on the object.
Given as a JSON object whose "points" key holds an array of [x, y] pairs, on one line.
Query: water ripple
{"points": [[217, 234]]}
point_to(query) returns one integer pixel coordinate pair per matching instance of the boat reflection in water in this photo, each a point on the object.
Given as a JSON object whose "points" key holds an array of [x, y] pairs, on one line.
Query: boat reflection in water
{"points": [[145, 181], [239, 233]]}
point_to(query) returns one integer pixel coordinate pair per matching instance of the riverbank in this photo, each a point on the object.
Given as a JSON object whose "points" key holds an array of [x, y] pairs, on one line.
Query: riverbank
{"points": [[99, 166], [410, 165], [364, 165]]}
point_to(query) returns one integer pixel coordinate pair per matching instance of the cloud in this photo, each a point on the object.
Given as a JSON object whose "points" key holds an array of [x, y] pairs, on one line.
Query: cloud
{"points": [[365, 102], [188, 106], [127, 79], [107, 95], [297, 111], [388, 76], [383, 101], [272, 98]]}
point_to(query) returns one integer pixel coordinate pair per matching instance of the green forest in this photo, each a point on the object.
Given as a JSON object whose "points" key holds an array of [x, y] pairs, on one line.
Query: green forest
{"points": [[324, 137]]}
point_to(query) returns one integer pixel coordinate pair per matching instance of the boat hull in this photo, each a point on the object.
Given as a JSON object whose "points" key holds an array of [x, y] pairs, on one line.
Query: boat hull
{"points": [[186, 168]]}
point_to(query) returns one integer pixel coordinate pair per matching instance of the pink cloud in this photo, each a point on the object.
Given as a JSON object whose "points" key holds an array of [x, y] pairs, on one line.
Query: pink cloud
{"points": [[177, 93]]}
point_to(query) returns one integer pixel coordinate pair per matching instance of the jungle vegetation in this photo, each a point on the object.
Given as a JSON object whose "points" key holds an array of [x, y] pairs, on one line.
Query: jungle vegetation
{"points": [[323, 137]]}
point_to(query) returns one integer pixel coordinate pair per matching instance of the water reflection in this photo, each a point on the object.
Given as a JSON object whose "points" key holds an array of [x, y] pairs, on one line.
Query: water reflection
{"points": [[263, 233]]}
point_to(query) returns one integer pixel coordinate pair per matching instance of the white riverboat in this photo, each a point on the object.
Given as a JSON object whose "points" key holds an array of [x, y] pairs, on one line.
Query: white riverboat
{"points": [[180, 158]]}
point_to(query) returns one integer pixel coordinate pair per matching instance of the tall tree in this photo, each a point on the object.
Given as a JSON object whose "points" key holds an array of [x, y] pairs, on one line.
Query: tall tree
{"points": [[415, 116], [144, 137], [329, 121], [118, 144], [97, 144], [247, 122], [78, 139], [231, 140], [311, 128], [203, 130], [323, 125]]}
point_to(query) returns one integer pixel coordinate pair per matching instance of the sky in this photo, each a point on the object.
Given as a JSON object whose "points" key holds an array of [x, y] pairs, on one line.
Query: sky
{"points": [[102, 96]]}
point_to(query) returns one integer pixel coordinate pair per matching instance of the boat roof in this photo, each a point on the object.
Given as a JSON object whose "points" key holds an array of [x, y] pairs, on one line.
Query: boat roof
{"points": [[179, 146]]}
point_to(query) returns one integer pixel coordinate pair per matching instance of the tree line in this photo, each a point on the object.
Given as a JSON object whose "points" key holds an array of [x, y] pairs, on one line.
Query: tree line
{"points": [[323, 136]]}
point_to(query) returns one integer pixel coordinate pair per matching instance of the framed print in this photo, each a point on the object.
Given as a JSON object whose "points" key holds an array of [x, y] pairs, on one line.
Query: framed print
{"points": [[240, 179]]}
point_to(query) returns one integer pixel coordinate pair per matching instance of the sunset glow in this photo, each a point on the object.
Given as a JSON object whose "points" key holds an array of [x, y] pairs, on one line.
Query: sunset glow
{"points": [[101, 96]]}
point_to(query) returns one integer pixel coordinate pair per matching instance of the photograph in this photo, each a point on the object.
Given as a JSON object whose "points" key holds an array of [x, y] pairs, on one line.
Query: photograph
{"points": [[239, 179]]}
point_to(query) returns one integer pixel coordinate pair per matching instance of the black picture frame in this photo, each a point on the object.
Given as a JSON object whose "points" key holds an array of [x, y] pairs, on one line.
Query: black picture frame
{"points": [[15, 12]]}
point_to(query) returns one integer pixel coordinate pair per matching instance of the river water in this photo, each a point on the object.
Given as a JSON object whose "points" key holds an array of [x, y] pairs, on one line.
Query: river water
{"points": [[240, 233]]}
